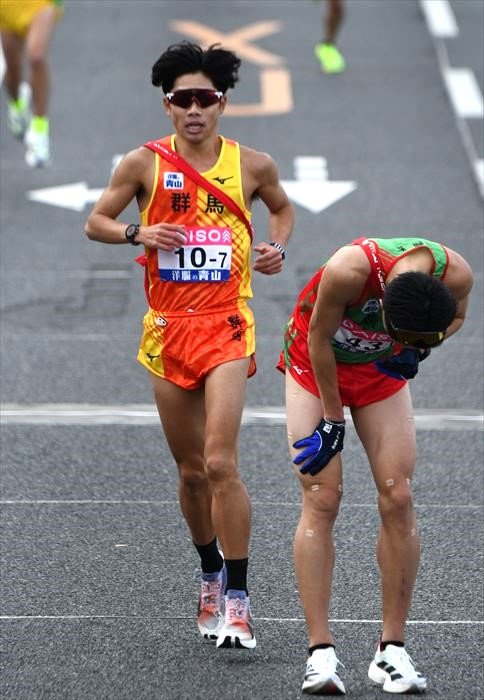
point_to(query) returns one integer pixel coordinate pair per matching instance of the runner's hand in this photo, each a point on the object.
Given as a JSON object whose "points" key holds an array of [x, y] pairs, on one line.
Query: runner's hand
{"points": [[269, 260], [404, 365], [164, 236], [321, 446]]}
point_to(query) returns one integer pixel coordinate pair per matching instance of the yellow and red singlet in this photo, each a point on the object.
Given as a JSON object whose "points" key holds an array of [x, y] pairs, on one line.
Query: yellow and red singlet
{"points": [[213, 268]]}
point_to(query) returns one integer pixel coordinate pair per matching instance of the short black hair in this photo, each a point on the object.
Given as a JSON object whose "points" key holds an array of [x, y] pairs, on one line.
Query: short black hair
{"points": [[417, 301], [220, 65]]}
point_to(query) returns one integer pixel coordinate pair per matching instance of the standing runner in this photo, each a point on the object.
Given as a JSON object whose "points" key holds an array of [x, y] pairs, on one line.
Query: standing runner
{"points": [[358, 331], [195, 190]]}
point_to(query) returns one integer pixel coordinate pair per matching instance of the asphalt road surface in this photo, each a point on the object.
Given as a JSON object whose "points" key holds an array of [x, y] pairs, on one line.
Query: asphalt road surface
{"points": [[99, 586]]}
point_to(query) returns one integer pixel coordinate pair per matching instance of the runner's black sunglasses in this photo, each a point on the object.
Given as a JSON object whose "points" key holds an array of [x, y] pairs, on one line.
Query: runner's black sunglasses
{"points": [[202, 96], [418, 339]]}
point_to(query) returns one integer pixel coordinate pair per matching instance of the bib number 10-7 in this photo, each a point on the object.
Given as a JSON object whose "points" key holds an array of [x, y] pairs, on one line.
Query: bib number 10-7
{"points": [[206, 257]]}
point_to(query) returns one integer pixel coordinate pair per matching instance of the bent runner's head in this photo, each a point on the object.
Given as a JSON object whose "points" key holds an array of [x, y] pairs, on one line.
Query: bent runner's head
{"points": [[418, 309], [219, 65]]}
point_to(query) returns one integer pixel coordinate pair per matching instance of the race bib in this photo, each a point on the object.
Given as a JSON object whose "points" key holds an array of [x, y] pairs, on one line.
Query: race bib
{"points": [[352, 338], [205, 257]]}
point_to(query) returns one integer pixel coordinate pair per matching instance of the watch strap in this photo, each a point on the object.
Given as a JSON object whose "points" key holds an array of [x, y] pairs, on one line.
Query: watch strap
{"points": [[280, 248], [131, 237]]}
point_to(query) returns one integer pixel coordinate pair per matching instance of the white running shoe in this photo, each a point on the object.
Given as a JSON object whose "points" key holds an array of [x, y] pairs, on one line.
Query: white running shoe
{"points": [[18, 119], [211, 606], [37, 154], [238, 629], [321, 676], [393, 669]]}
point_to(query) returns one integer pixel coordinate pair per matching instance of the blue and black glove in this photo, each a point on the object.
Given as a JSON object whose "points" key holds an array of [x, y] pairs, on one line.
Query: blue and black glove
{"points": [[321, 446], [405, 364]]}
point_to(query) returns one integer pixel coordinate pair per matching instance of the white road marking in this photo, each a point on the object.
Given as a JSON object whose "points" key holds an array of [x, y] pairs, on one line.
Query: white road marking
{"points": [[73, 196], [312, 188], [311, 168], [463, 89], [174, 503], [479, 172], [262, 619], [464, 92], [440, 18], [146, 414]]}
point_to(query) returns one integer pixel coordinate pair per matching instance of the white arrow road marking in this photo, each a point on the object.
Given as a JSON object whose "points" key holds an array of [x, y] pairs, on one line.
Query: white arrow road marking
{"points": [[74, 196], [316, 195], [313, 195], [311, 189]]}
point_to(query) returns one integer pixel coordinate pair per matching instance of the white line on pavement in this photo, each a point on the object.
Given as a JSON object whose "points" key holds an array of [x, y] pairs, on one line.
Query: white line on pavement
{"points": [[264, 504], [464, 93], [442, 25], [146, 414], [440, 18], [263, 619]]}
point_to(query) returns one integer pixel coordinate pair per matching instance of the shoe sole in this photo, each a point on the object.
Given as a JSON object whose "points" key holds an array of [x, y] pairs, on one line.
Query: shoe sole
{"points": [[382, 679], [211, 635], [231, 642], [412, 689], [326, 688]]}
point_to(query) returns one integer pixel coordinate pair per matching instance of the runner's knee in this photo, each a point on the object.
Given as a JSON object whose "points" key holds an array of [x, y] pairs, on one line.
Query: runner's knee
{"points": [[192, 478], [395, 500], [220, 467], [37, 59], [322, 502]]}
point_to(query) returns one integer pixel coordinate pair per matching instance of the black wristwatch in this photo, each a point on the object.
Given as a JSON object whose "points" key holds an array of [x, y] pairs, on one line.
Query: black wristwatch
{"points": [[131, 232]]}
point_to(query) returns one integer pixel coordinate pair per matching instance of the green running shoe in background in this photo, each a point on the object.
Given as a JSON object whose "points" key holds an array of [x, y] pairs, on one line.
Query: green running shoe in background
{"points": [[18, 114], [37, 143], [330, 59]]}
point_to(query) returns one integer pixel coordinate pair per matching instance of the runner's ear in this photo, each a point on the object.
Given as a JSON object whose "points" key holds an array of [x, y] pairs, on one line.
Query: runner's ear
{"points": [[222, 104]]}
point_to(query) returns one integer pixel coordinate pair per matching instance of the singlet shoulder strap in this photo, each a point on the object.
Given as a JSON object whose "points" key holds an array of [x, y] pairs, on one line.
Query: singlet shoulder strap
{"points": [[176, 159], [371, 252]]}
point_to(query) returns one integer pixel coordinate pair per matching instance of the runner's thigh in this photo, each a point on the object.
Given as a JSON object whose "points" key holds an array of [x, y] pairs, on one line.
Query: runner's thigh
{"points": [[387, 431], [225, 387], [304, 411], [182, 414]]}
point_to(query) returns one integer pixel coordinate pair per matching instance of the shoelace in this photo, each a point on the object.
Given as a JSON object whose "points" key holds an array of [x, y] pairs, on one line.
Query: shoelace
{"points": [[210, 593], [328, 665], [236, 609], [403, 658]]}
